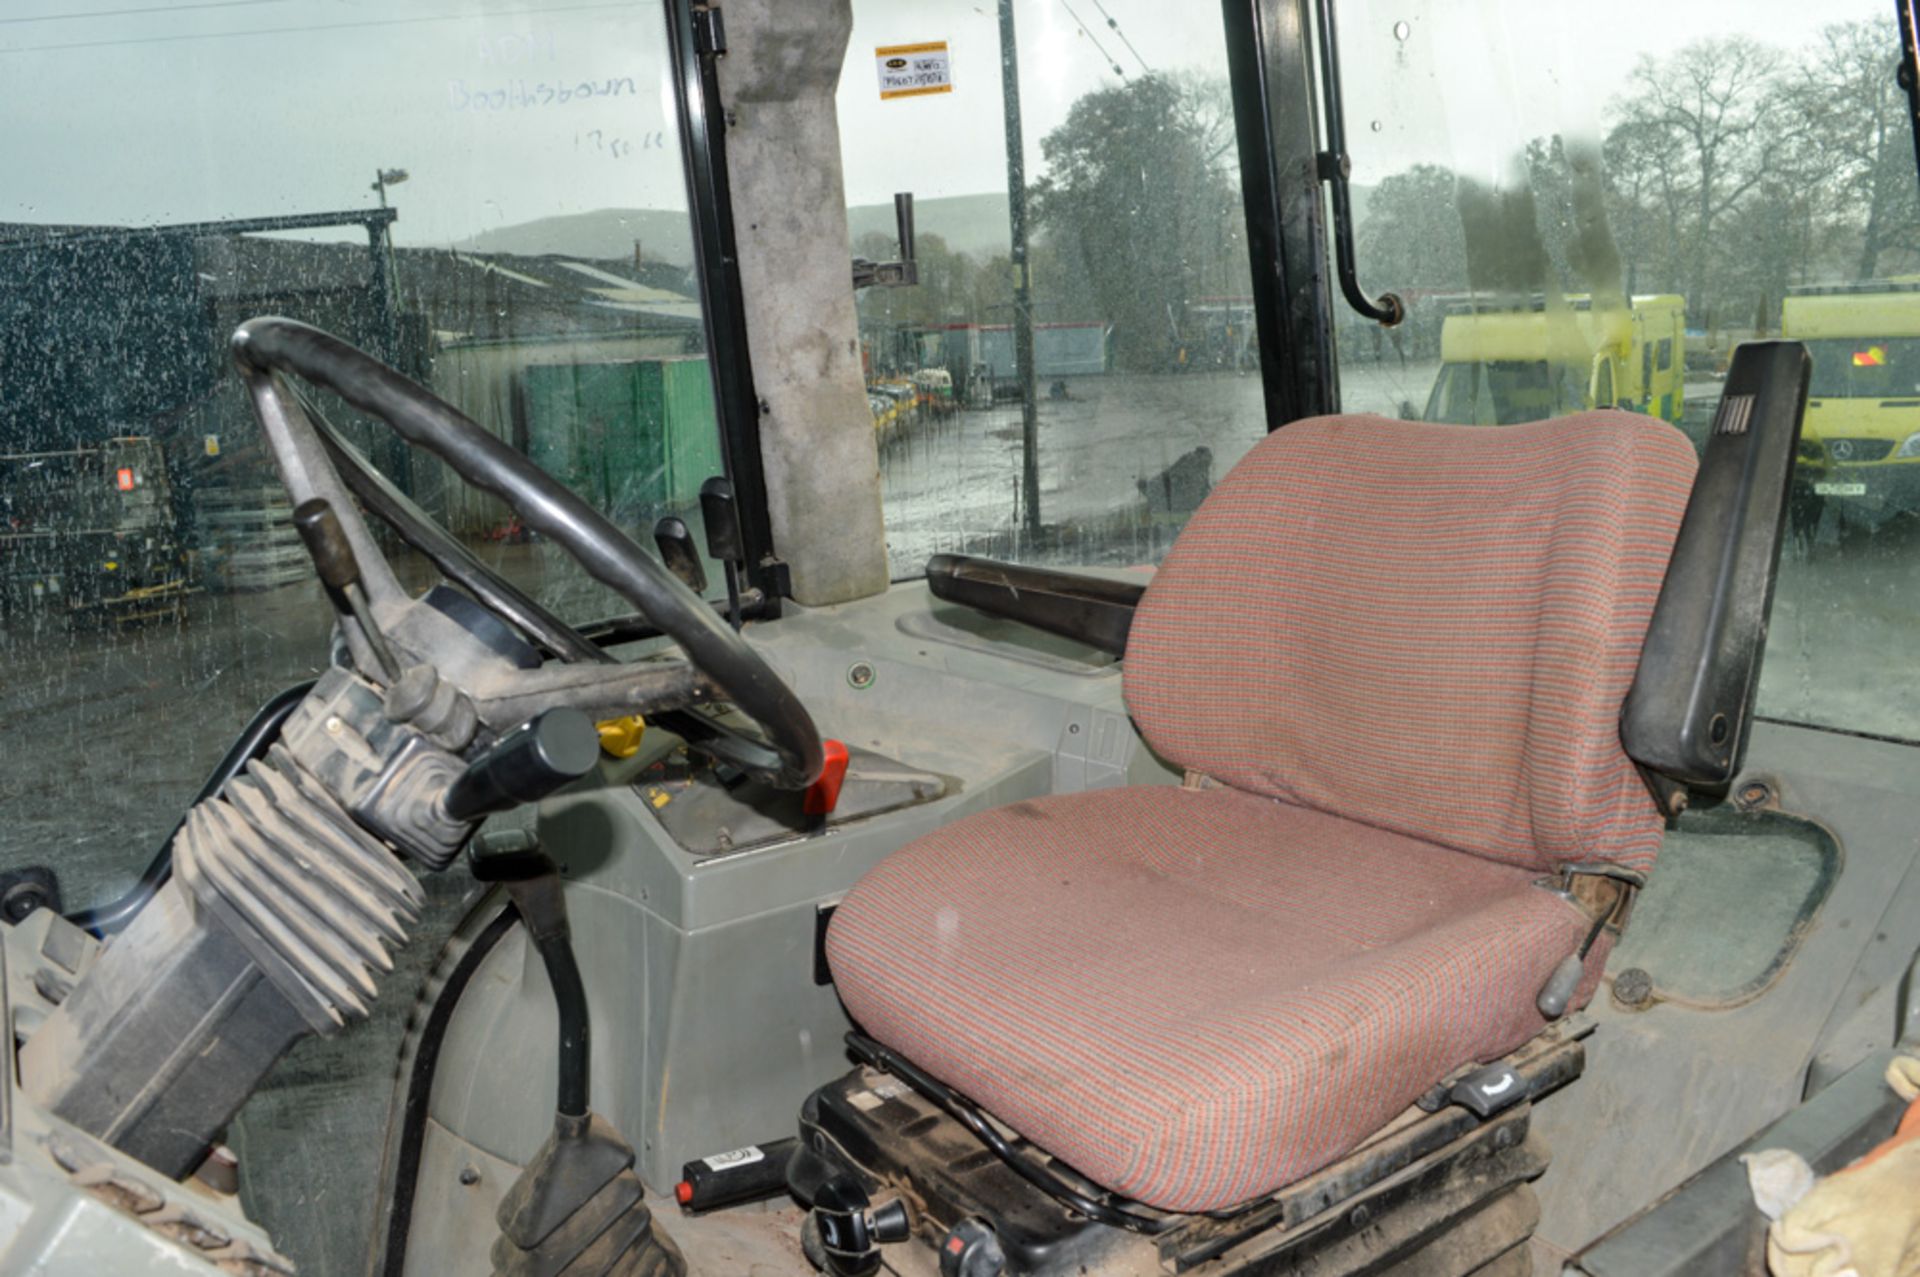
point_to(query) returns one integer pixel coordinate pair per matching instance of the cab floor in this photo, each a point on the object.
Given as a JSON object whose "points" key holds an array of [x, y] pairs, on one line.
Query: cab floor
{"points": [[761, 1240]]}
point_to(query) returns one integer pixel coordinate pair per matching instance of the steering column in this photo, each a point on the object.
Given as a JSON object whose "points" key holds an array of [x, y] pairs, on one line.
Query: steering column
{"points": [[288, 894]]}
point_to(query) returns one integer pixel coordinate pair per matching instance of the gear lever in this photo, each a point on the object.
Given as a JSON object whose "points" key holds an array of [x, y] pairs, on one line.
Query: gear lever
{"points": [[578, 1207]]}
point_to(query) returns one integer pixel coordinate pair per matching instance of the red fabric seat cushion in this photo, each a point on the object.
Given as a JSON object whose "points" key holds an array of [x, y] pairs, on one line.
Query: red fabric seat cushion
{"points": [[1429, 628], [1194, 996]]}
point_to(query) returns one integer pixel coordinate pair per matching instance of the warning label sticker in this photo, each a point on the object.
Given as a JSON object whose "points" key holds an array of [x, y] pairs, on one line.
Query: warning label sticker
{"points": [[914, 70]]}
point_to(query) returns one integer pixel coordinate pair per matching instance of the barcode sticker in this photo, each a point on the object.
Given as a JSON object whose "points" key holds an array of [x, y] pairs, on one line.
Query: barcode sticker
{"points": [[739, 1157]]}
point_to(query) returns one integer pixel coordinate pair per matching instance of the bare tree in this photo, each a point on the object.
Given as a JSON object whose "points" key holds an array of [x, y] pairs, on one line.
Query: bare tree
{"points": [[1705, 118], [1206, 105], [1647, 206], [1845, 107]]}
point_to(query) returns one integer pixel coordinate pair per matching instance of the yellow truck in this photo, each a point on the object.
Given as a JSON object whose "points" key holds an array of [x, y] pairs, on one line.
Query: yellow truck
{"points": [[1860, 445], [1506, 366]]}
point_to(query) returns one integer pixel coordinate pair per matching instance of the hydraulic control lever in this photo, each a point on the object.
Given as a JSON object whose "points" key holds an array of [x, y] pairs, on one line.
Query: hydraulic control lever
{"points": [[675, 543], [524, 766], [326, 541], [724, 542], [578, 1207]]}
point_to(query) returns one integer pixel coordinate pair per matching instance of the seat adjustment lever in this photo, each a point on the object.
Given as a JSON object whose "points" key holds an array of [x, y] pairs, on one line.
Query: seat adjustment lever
{"points": [[1487, 1091], [1556, 995], [850, 1232]]}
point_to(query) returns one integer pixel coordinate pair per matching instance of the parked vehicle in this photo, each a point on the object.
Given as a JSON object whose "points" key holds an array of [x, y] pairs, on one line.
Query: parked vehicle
{"points": [[90, 528], [1861, 445], [1507, 366]]}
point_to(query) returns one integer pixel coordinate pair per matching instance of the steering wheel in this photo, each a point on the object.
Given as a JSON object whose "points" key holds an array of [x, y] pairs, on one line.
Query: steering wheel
{"points": [[266, 348]]}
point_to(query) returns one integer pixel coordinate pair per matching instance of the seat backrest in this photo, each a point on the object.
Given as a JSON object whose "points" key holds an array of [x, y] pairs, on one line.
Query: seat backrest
{"points": [[1427, 628]]}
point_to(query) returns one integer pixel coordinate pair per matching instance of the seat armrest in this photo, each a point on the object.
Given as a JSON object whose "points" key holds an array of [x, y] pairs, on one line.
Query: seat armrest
{"points": [[1688, 713], [1089, 609]]}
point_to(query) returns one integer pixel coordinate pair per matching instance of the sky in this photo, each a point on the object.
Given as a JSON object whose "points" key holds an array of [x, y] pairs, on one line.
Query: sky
{"points": [[143, 112]]}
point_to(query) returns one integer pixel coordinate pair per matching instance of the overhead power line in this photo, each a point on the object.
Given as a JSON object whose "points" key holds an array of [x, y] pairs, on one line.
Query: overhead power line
{"points": [[1111, 22], [1095, 40]]}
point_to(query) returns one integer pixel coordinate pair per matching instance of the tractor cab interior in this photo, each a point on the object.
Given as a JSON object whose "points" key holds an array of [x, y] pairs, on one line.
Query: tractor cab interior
{"points": [[855, 656]]}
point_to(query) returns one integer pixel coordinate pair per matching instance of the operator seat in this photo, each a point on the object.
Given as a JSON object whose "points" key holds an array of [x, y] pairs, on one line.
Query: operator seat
{"points": [[1391, 657]]}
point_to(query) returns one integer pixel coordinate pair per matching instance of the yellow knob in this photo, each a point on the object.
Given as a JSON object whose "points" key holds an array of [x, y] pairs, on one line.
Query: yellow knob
{"points": [[620, 737]]}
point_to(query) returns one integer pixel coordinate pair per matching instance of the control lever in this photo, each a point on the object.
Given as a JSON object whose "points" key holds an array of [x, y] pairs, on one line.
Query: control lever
{"points": [[524, 766], [319, 528], [1556, 995], [721, 513], [848, 1230], [677, 552], [823, 795], [578, 1206]]}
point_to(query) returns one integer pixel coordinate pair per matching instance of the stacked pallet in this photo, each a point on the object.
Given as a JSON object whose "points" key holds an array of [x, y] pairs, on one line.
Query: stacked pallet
{"points": [[247, 538]]}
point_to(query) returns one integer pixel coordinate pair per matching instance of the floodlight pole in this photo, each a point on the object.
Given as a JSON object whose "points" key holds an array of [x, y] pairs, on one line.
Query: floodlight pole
{"points": [[398, 462]]}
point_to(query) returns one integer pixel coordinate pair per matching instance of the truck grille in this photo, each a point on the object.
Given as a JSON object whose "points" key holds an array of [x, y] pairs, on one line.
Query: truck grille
{"points": [[1851, 451]]}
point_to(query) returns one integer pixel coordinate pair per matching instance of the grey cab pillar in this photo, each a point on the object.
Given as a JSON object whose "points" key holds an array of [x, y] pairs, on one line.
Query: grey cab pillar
{"points": [[777, 80]]}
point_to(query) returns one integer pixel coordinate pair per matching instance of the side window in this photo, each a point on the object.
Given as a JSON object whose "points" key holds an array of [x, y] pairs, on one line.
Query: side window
{"points": [[1517, 165], [490, 197]]}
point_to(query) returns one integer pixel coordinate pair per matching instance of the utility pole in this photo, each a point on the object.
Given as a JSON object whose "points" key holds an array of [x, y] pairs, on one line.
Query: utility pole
{"points": [[1022, 282], [386, 284]]}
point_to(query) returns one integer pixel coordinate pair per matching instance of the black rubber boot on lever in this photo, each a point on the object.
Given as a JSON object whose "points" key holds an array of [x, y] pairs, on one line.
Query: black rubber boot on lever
{"points": [[578, 1207]]}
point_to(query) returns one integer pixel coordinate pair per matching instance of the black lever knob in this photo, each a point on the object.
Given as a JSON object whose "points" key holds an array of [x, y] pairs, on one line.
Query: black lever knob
{"points": [[678, 553], [525, 765], [319, 527], [722, 515]]}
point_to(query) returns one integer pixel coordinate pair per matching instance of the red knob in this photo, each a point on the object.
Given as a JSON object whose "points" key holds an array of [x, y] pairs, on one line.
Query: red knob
{"points": [[823, 795]]}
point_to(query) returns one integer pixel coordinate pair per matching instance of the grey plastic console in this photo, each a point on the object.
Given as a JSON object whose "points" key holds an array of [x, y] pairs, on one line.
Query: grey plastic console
{"points": [[710, 1023]]}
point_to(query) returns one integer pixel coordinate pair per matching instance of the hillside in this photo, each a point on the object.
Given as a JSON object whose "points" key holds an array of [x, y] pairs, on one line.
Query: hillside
{"points": [[974, 224]]}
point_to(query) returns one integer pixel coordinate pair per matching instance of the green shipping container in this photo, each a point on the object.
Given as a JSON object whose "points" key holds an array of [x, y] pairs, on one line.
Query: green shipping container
{"points": [[632, 438]]}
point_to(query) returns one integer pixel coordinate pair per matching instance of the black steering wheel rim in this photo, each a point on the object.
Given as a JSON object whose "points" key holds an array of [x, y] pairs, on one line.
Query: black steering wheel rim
{"points": [[268, 346]]}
